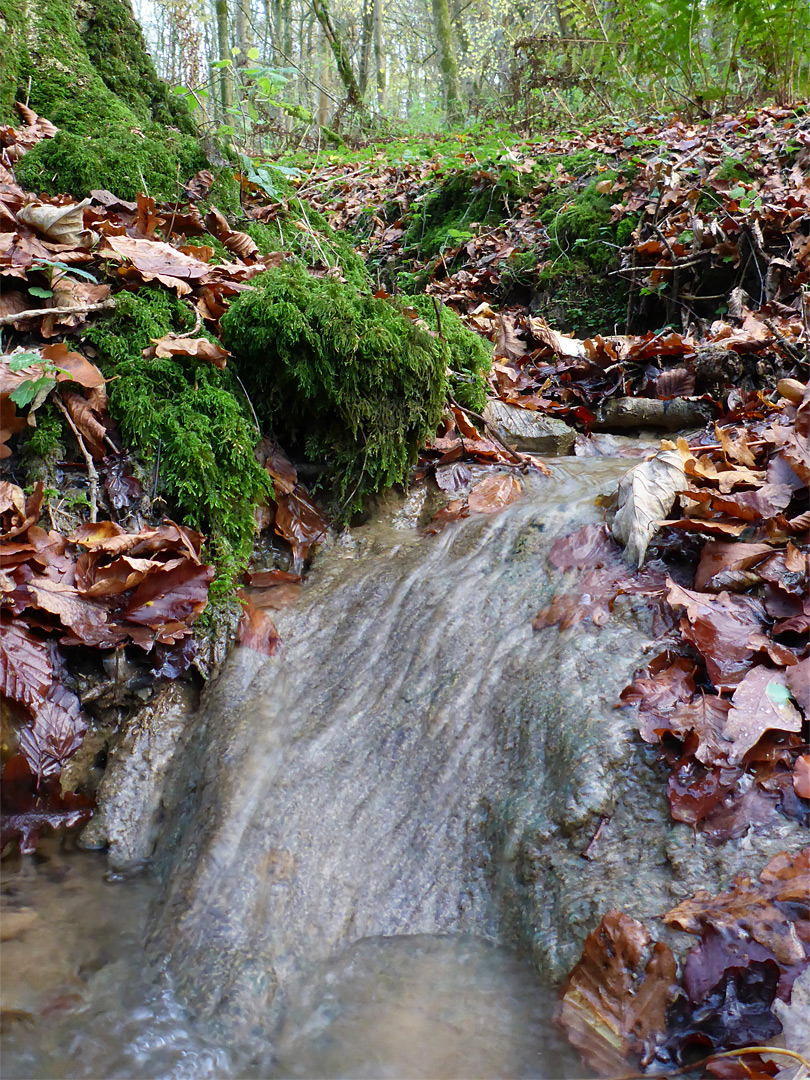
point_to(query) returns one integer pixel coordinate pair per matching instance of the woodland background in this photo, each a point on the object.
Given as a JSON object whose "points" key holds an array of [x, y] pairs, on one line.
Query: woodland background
{"points": [[279, 71]]}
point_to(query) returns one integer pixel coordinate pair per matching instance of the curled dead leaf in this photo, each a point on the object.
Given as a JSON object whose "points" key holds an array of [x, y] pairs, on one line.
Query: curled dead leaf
{"points": [[645, 496], [61, 224], [200, 348]]}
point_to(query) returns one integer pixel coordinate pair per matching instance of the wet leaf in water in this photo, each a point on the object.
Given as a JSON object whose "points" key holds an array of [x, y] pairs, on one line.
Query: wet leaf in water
{"points": [[760, 703], [26, 672], [494, 493], [256, 629], [300, 522], [27, 808], [614, 1001], [55, 735]]}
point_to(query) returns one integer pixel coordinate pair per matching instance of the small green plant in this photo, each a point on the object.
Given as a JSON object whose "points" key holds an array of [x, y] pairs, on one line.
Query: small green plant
{"points": [[54, 270], [34, 390], [256, 97]]}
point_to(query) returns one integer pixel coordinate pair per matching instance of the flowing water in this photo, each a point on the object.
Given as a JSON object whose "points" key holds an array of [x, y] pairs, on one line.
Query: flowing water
{"points": [[79, 1001], [345, 845]]}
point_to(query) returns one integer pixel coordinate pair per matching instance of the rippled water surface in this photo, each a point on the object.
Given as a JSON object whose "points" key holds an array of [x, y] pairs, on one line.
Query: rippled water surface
{"points": [[79, 1001]]}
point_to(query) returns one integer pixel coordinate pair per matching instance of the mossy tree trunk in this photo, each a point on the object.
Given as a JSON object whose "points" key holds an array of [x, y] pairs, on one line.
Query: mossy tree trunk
{"points": [[86, 68], [344, 66], [447, 62]]}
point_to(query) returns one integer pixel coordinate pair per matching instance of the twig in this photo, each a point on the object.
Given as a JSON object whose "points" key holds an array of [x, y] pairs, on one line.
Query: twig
{"points": [[157, 470], [92, 475], [83, 309], [197, 325], [514, 455], [792, 351], [437, 307], [250, 403]]}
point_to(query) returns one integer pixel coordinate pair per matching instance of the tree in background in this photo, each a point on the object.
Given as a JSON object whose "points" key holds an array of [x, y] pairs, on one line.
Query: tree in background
{"points": [[527, 62]]}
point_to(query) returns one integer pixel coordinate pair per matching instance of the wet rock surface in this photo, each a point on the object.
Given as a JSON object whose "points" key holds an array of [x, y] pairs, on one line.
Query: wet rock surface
{"points": [[130, 794], [417, 760], [530, 432]]}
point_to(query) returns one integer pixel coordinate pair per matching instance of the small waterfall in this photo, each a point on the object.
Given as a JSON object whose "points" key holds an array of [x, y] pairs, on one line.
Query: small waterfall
{"points": [[373, 778]]}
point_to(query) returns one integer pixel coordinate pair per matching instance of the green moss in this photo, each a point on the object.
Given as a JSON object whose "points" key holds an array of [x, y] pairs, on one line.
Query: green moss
{"points": [[43, 440], [90, 74], [117, 50], [625, 228], [469, 356], [307, 234], [340, 375], [12, 35], [195, 414], [444, 215], [224, 193], [120, 161], [578, 224]]}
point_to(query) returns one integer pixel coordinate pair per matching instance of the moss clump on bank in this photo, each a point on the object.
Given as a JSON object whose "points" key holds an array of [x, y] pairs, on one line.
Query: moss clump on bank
{"points": [[196, 415], [469, 356], [578, 224], [120, 162], [306, 233], [340, 375], [91, 75], [443, 217]]}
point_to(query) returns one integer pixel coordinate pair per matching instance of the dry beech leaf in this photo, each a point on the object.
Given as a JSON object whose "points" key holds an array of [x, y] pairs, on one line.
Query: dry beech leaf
{"points": [[201, 348], [62, 224], [84, 417], [507, 344], [645, 496]]}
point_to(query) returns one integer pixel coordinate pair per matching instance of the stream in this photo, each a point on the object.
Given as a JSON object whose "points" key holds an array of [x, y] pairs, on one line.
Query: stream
{"points": [[375, 853], [78, 1000]]}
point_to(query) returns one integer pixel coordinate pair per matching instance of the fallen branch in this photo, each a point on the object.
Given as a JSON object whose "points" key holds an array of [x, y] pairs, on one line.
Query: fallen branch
{"points": [[33, 313], [493, 434]]}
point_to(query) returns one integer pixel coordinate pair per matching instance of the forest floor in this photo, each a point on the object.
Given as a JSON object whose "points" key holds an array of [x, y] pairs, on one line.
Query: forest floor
{"points": [[646, 278]]}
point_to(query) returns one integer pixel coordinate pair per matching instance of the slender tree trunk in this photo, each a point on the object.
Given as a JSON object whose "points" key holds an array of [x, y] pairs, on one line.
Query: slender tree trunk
{"points": [[243, 30], [447, 62], [365, 47], [225, 84], [379, 55], [288, 28], [324, 17]]}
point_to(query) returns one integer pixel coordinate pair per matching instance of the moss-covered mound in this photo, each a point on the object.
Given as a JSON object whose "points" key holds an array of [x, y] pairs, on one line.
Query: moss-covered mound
{"points": [[189, 420], [442, 218], [340, 375], [469, 357], [90, 74], [307, 234]]}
